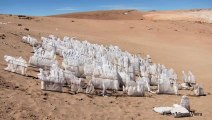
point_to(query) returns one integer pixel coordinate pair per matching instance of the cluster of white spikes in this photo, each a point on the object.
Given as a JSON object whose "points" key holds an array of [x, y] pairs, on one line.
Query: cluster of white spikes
{"points": [[105, 67], [178, 110], [29, 40], [16, 65], [110, 66]]}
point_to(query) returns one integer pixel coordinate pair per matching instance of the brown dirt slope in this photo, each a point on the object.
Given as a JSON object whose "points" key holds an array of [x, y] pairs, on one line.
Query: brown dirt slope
{"points": [[201, 15], [105, 15], [198, 15]]}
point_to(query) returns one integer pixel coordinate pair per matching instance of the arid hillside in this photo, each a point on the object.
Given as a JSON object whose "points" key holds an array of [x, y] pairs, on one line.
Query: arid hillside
{"points": [[200, 15], [191, 15], [106, 15]]}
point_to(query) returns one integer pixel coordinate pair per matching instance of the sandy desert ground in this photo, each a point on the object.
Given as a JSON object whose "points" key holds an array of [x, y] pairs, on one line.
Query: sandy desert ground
{"points": [[179, 44]]}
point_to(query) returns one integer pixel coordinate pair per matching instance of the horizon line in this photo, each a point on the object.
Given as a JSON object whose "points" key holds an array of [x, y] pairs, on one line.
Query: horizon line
{"points": [[152, 10]]}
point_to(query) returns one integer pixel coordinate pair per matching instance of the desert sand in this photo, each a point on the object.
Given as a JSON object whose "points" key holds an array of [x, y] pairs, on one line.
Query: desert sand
{"points": [[183, 44]]}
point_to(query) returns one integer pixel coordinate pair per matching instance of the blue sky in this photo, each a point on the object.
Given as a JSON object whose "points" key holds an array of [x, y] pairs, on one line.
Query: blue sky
{"points": [[50, 7]]}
